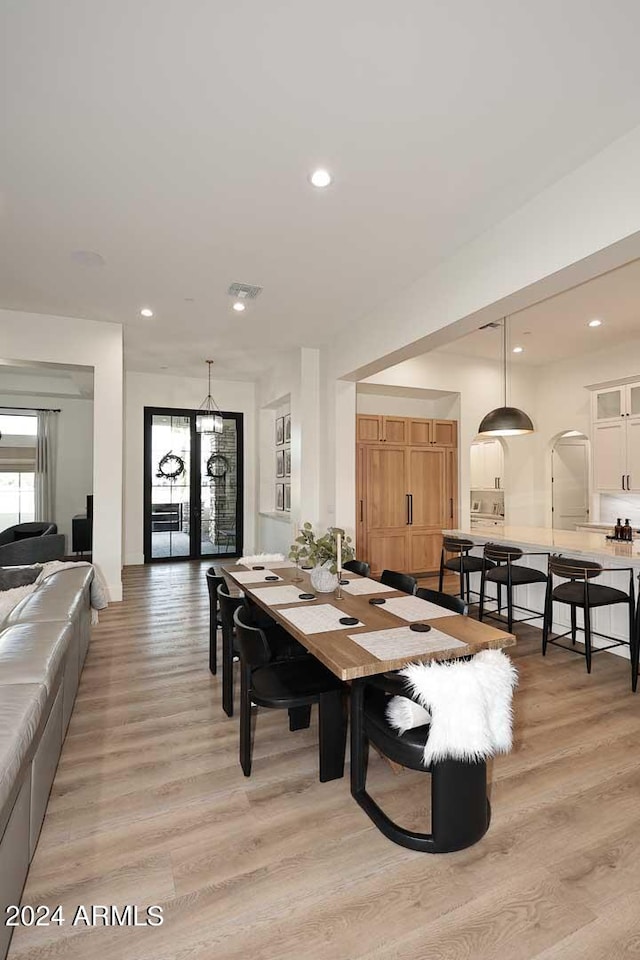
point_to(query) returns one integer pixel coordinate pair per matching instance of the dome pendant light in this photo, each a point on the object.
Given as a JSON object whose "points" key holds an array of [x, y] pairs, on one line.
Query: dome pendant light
{"points": [[505, 421], [208, 416]]}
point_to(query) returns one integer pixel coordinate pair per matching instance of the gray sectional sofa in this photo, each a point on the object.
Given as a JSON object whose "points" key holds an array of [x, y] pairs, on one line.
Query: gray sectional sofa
{"points": [[33, 542], [43, 644]]}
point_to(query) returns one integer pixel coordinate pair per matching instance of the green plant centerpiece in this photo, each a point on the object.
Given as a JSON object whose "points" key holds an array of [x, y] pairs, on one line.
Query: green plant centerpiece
{"points": [[321, 553]]}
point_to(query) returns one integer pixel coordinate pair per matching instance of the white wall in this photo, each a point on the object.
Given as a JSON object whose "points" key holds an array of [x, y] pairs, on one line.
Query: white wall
{"points": [[563, 403], [35, 337], [74, 463], [447, 408], [295, 382], [151, 390]]}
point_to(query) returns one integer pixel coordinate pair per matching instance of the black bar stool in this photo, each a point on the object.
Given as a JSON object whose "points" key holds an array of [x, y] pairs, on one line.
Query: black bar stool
{"points": [[578, 591], [461, 562], [505, 573]]}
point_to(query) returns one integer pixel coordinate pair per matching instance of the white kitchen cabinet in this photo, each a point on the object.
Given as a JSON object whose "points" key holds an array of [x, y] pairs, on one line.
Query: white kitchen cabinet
{"points": [[487, 465], [612, 403], [617, 455]]}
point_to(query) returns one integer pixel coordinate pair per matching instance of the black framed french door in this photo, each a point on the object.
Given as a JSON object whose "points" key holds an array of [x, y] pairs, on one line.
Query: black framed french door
{"points": [[192, 487]]}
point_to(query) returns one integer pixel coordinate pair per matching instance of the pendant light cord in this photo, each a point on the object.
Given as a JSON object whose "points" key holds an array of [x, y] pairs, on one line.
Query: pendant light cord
{"points": [[504, 358]]}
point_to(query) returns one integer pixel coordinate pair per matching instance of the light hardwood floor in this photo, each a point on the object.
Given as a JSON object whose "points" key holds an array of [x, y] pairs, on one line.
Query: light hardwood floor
{"points": [[149, 806]]}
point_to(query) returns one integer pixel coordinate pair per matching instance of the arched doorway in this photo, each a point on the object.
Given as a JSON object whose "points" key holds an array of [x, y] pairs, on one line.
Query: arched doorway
{"points": [[570, 480]]}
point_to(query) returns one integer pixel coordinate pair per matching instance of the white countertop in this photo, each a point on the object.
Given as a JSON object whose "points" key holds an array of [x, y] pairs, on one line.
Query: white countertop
{"points": [[567, 542]]}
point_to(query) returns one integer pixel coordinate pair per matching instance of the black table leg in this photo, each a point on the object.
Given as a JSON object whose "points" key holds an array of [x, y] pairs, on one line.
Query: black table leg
{"points": [[332, 735]]}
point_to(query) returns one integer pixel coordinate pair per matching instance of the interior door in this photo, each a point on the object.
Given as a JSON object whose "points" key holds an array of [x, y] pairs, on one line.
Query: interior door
{"points": [[570, 484], [192, 487]]}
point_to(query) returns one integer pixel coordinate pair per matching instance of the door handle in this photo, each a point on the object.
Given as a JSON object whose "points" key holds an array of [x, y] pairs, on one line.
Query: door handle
{"points": [[408, 509], [411, 508], [451, 508], [361, 511]]}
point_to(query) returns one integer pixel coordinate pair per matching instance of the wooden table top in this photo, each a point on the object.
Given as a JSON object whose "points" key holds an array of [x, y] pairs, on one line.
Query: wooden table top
{"points": [[347, 659]]}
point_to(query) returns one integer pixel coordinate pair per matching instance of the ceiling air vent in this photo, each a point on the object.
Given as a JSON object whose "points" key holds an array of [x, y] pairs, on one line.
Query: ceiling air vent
{"points": [[244, 291]]}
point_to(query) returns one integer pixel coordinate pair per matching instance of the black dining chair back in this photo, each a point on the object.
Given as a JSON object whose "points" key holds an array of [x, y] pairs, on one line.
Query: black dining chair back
{"points": [[228, 606], [399, 581], [213, 582], [455, 604], [293, 685], [361, 567], [250, 641]]}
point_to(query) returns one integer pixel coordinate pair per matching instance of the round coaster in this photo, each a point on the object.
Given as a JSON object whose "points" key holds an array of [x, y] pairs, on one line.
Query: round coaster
{"points": [[271, 578], [420, 627], [306, 567], [257, 568], [307, 596], [343, 582], [348, 621], [377, 601]]}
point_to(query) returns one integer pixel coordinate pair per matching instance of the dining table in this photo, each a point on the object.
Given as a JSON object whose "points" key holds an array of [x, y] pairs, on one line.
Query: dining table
{"points": [[363, 627]]}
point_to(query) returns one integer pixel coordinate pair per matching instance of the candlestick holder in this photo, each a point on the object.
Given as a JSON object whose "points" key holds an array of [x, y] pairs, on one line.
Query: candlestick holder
{"points": [[298, 577]]}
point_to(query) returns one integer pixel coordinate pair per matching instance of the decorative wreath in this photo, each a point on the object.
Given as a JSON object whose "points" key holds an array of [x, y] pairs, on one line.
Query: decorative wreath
{"points": [[170, 467], [217, 466]]}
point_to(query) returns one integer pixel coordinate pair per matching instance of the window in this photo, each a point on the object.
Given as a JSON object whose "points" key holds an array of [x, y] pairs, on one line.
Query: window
{"points": [[17, 465], [18, 425], [17, 499]]}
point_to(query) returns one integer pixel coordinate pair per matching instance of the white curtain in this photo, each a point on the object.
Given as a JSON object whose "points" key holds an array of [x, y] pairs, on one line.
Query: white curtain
{"points": [[45, 474]]}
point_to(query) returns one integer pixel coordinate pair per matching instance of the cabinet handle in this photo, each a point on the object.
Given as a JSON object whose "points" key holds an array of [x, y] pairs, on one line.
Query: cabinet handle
{"points": [[451, 508], [628, 481], [361, 511], [623, 481], [409, 509]]}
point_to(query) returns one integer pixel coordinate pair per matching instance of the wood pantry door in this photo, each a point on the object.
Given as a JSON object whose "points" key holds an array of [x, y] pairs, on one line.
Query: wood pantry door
{"points": [[387, 508], [427, 486]]}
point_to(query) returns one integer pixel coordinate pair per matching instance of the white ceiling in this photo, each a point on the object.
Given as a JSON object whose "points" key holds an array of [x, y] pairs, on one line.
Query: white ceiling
{"points": [[174, 139], [557, 328]]}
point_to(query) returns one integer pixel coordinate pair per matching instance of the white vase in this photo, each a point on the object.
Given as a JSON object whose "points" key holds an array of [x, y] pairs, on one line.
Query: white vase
{"points": [[322, 580]]}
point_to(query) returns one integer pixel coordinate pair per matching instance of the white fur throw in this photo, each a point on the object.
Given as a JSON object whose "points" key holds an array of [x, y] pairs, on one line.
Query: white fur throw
{"points": [[467, 703], [260, 558]]}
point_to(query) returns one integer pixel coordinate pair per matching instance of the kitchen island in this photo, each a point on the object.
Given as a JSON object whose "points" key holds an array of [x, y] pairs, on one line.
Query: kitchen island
{"points": [[568, 543]]}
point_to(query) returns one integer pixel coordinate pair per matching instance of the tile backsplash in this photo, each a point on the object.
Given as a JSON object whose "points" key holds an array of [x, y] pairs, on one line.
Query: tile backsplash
{"points": [[613, 506]]}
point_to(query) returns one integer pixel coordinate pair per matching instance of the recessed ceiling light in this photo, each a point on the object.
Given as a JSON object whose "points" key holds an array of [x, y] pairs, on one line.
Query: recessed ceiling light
{"points": [[239, 306], [146, 312], [518, 349], [595, 323], [320, 178]]}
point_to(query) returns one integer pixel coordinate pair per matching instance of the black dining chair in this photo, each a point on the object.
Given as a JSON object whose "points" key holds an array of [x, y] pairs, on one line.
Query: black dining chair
{"points": [[460, 809], [579, 591], [399, 581], [290, 685], [361, 567], [455, 556], [455, 604], [502, 569], [228, 606], [213, 582]]}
